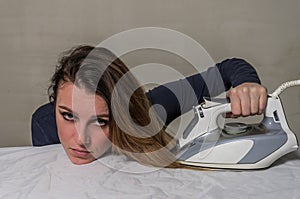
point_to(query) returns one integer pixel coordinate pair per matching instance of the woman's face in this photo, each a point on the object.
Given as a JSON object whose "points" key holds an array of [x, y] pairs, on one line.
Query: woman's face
{"points": [[82, 122]]}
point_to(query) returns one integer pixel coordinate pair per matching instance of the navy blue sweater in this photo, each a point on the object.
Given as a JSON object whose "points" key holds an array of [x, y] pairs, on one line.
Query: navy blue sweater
{"points": [[174, 98]]}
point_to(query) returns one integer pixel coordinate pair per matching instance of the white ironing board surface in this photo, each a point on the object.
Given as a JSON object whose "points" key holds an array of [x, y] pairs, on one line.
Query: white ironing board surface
{"points": [[46, 172]]}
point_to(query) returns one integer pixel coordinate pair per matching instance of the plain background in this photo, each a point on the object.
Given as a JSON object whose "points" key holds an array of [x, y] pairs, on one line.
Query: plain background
{"points": [[34, 32]]}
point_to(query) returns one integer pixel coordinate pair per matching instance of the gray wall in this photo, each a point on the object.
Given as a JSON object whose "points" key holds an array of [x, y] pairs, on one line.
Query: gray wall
{"points": [[34, 32]]}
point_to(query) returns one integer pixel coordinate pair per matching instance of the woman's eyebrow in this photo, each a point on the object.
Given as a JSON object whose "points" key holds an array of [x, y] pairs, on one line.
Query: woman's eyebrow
{"points": [[70, 110], [103, 115], [66, 108]]}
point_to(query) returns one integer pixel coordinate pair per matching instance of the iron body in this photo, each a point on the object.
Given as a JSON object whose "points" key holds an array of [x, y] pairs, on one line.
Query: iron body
{"points": [[235, 146]]}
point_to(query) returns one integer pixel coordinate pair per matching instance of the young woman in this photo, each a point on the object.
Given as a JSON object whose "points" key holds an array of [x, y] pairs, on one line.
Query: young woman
{"points": [[90, 112]]}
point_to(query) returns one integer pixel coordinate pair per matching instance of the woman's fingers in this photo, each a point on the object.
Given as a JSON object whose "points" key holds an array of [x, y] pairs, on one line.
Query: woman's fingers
{"points": [[248, 99]]}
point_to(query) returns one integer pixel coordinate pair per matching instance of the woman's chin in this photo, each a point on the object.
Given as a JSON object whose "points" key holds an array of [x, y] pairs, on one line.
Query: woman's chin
{"points": [[79, 161]]}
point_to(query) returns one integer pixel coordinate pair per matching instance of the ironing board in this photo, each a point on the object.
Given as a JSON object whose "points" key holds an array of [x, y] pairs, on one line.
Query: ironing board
{"points": [[46, 172]]}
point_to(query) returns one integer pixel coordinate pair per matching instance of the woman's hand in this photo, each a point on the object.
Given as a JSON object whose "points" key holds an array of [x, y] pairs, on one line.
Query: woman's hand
{"points": [[247, 99]]}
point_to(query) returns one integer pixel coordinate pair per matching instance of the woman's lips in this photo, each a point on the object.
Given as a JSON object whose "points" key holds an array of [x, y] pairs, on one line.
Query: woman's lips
{"points": [[80, 152]]}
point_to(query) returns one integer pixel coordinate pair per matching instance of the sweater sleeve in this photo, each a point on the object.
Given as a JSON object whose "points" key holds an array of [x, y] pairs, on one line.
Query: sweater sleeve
{"points": [[175, 98], [43, 126]]}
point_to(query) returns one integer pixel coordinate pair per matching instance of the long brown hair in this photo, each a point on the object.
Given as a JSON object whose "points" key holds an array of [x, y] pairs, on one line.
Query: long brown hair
{"points": [[141, 136]]}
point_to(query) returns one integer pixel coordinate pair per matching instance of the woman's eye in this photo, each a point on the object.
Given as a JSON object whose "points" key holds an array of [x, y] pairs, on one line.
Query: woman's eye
{"points": [[101, 122], [68, 116]]}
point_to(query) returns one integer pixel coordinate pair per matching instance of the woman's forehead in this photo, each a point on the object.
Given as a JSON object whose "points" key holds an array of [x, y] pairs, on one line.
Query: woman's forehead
{"points": [[79, 99]]}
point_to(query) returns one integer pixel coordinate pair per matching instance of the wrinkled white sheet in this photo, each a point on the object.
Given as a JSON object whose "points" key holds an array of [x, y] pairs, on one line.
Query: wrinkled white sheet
{"points": [[46, 172]]}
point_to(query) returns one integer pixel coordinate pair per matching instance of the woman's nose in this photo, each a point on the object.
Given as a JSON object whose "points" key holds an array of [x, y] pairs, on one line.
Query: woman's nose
{"points": [[83, 138]]}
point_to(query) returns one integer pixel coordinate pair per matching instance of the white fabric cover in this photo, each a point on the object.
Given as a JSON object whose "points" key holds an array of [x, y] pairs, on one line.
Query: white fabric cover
{"points": [[46, 172]]}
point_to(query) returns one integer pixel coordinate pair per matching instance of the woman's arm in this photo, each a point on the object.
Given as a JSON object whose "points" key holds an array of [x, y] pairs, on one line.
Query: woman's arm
{"points": [[43, 126], [188, 92], [178, 97]]}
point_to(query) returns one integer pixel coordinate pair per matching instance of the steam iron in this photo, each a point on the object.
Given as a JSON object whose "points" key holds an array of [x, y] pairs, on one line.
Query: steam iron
{"points": [[236, 145]]}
